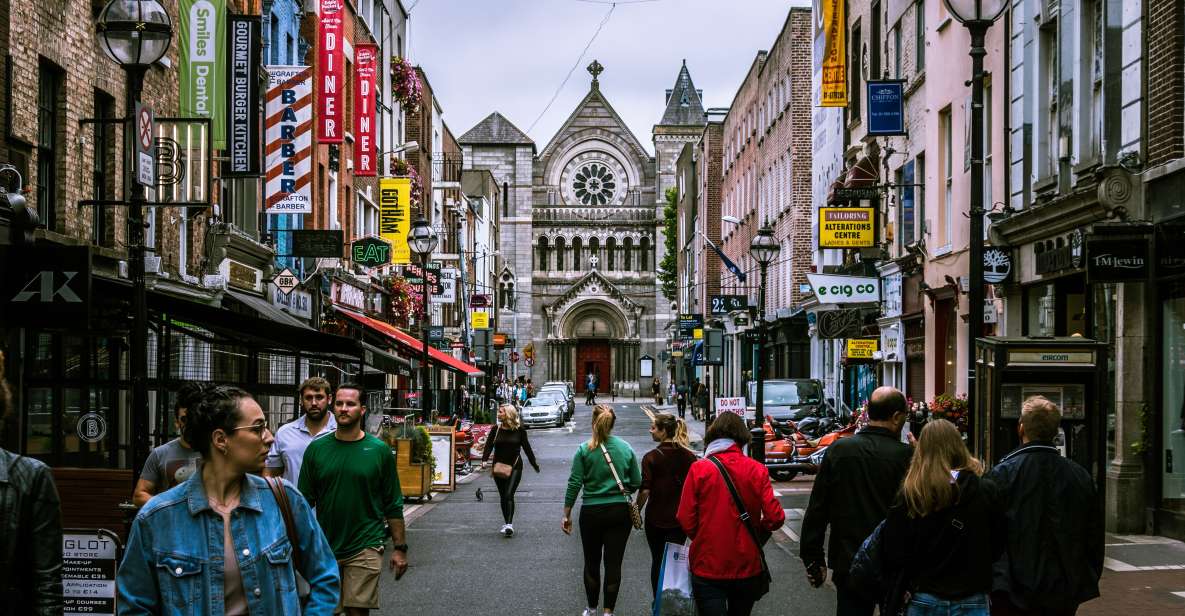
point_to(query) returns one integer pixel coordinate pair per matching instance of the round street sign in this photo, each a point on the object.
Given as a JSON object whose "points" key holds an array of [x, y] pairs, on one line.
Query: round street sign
{"points": [[530, 361], [145, 130], [514, 357]]}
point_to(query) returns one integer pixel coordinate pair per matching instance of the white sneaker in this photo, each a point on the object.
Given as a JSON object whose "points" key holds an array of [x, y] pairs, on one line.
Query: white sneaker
{"points": [[509, 529], [590, 611], [505, 529]]}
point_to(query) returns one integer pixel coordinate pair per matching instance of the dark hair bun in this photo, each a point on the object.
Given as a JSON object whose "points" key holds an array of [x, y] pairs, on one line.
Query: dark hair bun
{"points": [[216, 408]]}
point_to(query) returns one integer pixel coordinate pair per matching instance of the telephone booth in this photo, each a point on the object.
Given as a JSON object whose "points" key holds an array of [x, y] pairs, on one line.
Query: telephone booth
{"points": [[1067, 371]]}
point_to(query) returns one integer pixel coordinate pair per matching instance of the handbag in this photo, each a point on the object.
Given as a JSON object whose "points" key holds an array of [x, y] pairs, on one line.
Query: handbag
{"points": [[277, 486], [635, 513], [747, 520], [501, 470], [674, 583]]}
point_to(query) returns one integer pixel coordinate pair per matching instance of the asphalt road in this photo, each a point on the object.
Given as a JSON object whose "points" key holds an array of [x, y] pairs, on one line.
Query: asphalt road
{"points": [[460, 565]]}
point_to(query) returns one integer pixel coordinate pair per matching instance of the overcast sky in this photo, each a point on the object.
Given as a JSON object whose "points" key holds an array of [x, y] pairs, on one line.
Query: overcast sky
{"points": [[511, 55]]}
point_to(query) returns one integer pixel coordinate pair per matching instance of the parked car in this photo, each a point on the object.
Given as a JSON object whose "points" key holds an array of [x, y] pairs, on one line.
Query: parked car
{"points": [[566, 391], [547, 408], [788, 401]]}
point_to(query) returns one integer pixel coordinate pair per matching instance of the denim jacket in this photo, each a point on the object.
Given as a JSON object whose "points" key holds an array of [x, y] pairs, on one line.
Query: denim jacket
{"points": [[174, 564]]}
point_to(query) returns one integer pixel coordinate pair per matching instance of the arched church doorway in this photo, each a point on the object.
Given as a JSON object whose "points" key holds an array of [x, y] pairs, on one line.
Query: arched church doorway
{"points": [[595, 340]]}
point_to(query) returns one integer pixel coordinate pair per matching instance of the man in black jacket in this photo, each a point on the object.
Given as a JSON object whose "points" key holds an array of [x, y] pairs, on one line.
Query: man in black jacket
{"points": [[1054, 552], [30, 538], [856, 483]]}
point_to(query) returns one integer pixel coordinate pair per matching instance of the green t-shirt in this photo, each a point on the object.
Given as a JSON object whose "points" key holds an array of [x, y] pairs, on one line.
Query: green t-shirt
{"points": [[591, 474], [355, 488]]}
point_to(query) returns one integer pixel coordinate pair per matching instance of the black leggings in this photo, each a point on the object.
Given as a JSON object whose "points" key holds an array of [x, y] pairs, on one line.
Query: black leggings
{"points": [[607, 528], [657, 539], [506, 489]]}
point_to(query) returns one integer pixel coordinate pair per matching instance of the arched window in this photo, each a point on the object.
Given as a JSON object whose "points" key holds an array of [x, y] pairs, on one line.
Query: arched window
{"points": [[577, 265], [610, 254], [627, 249], [506, 296], [594, 248], [543, 265], [644, 259], [560, 249]]}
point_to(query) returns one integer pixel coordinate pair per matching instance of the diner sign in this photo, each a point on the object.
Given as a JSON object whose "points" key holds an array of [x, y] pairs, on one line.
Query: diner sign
{"points": [[330, 73], [365, 68]]}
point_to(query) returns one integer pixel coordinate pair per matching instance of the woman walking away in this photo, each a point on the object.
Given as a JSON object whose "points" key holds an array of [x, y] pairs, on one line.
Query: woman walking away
{"points": [[171, 567], [508, 440], [605, 469], [946, 528], [664, 470], [656, 391], [728, 570]]}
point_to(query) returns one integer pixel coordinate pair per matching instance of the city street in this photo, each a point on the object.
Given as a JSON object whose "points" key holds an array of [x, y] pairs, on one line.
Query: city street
{"points": [[461, 565]]}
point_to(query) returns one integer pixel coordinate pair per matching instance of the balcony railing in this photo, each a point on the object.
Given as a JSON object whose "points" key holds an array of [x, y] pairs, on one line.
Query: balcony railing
{"points": [[593, 215]]}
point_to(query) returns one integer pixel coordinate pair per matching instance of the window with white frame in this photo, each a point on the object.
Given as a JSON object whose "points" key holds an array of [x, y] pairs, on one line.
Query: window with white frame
{"points": [[334, 220], [366, 216], [946, 161]]}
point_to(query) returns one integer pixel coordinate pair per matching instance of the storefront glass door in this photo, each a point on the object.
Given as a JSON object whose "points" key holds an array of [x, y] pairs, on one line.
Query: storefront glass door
{"points": [[1172, 461]]}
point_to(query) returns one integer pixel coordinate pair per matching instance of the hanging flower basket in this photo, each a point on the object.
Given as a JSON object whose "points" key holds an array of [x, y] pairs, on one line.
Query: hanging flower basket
{"points": [[951, 408], [404, 302], [404, 170], [406, 88]]}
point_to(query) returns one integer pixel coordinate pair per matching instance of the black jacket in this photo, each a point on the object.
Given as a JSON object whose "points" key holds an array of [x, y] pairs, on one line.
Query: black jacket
{"points": [[1054, 554], [948, 553], [856, 483], [507, 447], [30, 538]]}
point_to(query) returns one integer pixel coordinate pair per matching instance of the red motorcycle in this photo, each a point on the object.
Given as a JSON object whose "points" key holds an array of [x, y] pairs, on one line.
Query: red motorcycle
{"points": [[787, 455]]}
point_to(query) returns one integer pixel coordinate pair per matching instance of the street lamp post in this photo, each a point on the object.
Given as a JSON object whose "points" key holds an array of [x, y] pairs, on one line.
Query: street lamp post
{"points": [[977, 16], [135, 34], [422, 239], [764, 249]]}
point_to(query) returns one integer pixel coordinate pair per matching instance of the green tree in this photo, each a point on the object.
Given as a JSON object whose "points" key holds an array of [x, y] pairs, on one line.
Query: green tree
{"points": [[667, 269]]}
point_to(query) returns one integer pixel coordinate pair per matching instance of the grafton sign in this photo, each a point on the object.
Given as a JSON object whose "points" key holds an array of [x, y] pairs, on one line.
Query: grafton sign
{"points": [[847, 227]]}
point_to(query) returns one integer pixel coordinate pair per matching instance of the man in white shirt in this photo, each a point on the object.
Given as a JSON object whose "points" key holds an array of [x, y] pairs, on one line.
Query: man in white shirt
{"points": [[284, 459]]}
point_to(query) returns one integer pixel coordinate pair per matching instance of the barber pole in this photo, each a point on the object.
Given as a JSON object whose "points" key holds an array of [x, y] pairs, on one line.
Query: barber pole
{"points": [[330, 72], [288, 138], [365, 67]]}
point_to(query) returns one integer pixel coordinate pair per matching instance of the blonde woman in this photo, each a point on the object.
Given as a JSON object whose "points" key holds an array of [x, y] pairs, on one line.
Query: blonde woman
{"points": [[604, 513], [664, 469], [946, 528], [508, 441]]}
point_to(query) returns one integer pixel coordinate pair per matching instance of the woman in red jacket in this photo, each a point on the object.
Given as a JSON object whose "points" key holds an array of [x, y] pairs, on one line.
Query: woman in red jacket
{"points": [[726, 561]]}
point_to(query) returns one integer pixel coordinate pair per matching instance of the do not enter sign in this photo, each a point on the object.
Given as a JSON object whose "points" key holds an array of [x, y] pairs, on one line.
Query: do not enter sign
{"points": [[145, 161]]}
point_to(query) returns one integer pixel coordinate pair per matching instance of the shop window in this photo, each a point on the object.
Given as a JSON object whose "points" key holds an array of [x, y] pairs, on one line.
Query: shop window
{"points": [[919, 35], [49, 85], [102, 167], [1172, 361]]}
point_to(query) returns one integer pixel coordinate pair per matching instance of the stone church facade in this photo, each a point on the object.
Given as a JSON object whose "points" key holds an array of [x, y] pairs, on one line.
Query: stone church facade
{"points": [[581, 236]]}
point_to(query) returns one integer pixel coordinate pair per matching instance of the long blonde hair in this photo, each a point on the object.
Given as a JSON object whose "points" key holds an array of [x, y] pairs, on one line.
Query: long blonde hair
{"points": [[674, 428], [511, 420], [927, 487], [602, 425]]}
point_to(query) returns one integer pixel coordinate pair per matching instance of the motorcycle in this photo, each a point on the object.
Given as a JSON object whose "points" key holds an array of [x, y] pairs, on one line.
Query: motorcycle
{"points": [[788, 454]]}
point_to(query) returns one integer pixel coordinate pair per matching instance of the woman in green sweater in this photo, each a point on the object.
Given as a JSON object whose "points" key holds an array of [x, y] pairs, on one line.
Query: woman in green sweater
{"points": [[604, 514]]}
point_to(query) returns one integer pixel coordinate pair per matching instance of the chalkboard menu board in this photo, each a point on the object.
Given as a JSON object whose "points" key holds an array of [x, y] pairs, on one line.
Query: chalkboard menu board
{"points": [[317, 243]]}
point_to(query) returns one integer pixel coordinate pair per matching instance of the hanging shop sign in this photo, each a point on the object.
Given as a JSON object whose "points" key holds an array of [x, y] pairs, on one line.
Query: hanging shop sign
{"points": [[288, 140], [834, 90], [886, 107], [330, 71], [89, 562], [1117, 259], [414, 275], [395, 217], [182, 162], [349, 296], [241, 276], [202, 50], [997, 265], [436, 333], [861, 348], [242, 100], [688, 323], [317, 243], [286, 281], [724, 304], [45, 285], [847, 227], [479, 300], [365, 69], [479, 320], [831, 289], [891, 305], [370, 252], [837, 324], [448, 287], [298, 303]]}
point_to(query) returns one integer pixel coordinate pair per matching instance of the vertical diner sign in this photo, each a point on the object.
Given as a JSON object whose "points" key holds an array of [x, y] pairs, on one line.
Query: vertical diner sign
{"points": [[242, 114], [395, 217], [203, 93], [288, 140], [330, 72], [365, 61]]}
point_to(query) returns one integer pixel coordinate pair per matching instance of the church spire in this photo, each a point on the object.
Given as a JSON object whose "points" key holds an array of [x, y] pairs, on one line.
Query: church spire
{"points": [[685, 105]]}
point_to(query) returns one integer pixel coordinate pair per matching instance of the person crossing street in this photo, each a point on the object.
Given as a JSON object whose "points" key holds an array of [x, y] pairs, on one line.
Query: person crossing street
{"points": [[351, 480]]}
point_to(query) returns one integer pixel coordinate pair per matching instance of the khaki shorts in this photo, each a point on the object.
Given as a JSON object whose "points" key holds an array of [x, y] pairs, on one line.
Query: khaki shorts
{"points": [[360, 580]]}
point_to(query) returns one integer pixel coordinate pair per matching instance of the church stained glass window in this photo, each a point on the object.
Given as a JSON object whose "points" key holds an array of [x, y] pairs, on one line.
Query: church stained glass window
{"points": [[594, 184]]}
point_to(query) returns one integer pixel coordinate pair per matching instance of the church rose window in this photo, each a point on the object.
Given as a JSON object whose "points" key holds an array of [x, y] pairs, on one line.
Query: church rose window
{"points": [[594, 184]]}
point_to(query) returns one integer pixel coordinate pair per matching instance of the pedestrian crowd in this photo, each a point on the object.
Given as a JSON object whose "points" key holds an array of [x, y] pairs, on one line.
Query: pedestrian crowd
{"points": [[236, 519]]}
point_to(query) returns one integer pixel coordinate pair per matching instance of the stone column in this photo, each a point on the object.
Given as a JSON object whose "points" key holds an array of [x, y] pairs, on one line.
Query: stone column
{"points": [[1125, 503]]}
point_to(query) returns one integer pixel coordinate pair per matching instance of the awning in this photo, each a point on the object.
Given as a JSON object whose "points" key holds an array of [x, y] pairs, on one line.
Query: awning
{"points": [[266, 309], [412, 344]]}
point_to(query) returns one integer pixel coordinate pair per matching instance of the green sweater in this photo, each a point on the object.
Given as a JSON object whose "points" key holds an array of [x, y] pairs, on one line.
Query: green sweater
{"points": [[591, 473]]}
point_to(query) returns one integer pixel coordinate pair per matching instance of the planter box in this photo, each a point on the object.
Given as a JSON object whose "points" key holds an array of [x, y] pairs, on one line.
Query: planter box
{"points": [[414, 479]]}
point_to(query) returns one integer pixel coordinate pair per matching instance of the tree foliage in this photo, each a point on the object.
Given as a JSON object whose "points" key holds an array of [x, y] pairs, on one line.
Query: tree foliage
{"points": [[667, 269]]}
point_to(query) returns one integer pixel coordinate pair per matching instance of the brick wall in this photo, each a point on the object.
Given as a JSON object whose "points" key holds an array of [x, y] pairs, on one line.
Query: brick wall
{"points": [[710, 163], [740, 167], [1165, 38]]}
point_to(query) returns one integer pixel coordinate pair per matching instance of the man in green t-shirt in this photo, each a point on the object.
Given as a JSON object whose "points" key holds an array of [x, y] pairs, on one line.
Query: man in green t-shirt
{"points": [[350, 478]]}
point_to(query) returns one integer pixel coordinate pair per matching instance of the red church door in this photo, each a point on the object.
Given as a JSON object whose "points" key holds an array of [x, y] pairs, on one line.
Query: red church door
{"points": [[592, 356]]}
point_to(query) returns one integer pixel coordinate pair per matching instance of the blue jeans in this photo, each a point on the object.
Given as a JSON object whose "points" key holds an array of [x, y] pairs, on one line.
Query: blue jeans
{"points": [[923, 604]]}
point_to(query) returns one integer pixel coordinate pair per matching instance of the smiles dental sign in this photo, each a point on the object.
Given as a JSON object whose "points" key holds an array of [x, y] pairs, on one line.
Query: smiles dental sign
{"points": [[202, 77]]}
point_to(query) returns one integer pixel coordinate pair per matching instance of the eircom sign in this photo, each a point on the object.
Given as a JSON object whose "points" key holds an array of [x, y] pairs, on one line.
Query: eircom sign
{"points": [[830, 289], [847, 227]]}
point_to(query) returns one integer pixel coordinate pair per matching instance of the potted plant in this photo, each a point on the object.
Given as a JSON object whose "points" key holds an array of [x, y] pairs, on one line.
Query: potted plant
{"points": [[951, 408]]}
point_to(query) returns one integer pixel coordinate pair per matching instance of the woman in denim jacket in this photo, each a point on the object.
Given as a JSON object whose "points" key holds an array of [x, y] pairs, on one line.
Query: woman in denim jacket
{"points": [[217, 543]]}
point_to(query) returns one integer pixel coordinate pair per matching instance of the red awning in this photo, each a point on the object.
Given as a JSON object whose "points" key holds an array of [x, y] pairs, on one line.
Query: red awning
{"points": [[412, 344]]}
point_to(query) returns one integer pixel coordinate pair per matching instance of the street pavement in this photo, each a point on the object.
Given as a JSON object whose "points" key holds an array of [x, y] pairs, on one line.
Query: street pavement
{"points": [[460, 565]]}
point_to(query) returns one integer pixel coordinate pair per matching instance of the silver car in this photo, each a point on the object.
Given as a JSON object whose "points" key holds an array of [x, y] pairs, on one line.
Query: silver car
{"points": [[564, 390], [547, 408]]}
